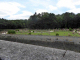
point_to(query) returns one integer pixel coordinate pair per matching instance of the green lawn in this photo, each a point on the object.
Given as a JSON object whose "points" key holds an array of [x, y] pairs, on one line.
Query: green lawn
{"points": [[46, 32]]}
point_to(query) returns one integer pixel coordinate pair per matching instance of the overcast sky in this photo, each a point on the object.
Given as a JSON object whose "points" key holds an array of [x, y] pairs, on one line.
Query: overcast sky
{"points": [[22, 9]]}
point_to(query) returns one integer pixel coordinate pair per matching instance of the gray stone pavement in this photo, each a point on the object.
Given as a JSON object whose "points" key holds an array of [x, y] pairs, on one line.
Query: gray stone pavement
{"points": [[20, 51], [76, 40]]}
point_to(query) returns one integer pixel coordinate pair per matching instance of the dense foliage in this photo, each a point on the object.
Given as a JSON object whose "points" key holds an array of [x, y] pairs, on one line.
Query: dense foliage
{"points": [[44, 20], [70, 29], [57, 34], [11, 32], [50, 21], [12, 24]]}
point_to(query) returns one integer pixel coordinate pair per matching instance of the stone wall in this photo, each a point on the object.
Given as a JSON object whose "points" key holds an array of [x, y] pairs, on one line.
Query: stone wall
{"points": [[18, 51], [76, 40], [68, 43]]}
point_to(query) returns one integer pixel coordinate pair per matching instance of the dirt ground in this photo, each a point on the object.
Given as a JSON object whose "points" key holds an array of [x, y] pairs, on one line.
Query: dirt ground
{"points": [[20, 51]]}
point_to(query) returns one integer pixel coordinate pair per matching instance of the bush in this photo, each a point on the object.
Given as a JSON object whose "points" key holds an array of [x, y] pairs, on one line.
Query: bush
{"points": [[17, 29], [76, 31], [57, 34], [29, 32], [33, 31], [70, 29], [11, 32], [69, 35]]}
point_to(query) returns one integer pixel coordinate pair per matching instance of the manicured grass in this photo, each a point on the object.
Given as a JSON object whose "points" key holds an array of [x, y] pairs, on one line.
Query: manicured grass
{"points": [[46, 32]]}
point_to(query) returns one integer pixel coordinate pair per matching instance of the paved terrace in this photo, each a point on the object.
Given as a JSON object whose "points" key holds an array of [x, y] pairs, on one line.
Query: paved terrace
{"points": [[19, 51], [60, 42], [76, 40]]}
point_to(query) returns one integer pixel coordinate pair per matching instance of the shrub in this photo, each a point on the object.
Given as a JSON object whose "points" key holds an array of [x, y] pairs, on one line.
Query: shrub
{"points": [[17, 29], [57, 34], [70, 29], [76, 31], [69, 35], [29, 32], [11, 32], [33, 31]]}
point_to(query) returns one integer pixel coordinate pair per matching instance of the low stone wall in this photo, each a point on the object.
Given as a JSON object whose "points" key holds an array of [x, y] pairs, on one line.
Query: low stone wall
{"points": [[68, 43], [18, 51]]}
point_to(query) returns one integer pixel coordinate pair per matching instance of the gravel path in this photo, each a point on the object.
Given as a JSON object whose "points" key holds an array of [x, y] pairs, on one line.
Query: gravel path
{"points": [[19, 51]]}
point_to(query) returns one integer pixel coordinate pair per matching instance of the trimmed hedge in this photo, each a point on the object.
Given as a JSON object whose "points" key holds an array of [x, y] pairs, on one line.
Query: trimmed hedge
{"points": [[57, 34], [29, 32], [17, 29], [11, 32]]}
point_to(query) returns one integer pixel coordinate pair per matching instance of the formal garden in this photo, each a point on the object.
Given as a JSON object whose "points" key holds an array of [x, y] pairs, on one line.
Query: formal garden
{"points": [[50, 32]]}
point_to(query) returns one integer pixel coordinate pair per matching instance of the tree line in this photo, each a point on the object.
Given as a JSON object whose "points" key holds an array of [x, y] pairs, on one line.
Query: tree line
{"points": [[44, 20], [12, 24]]}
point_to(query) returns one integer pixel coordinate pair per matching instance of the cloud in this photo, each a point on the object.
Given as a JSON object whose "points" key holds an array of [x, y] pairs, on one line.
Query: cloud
{"points": [[76, 10], [41, 10], [40, 2], [71, 4], [12, 10], [42, 5], [51, 8], [66, 3], [77, 2], [9, 8], [24, 15]]}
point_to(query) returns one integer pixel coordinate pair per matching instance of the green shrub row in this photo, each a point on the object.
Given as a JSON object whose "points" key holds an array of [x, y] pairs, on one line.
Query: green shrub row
{"points": [[57, 34], [11, 32], [29, 33], [17, 29]]}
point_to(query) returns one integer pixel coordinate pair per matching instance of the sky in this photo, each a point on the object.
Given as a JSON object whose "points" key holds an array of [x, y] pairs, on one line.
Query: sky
{"points": [[23, 9]]}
